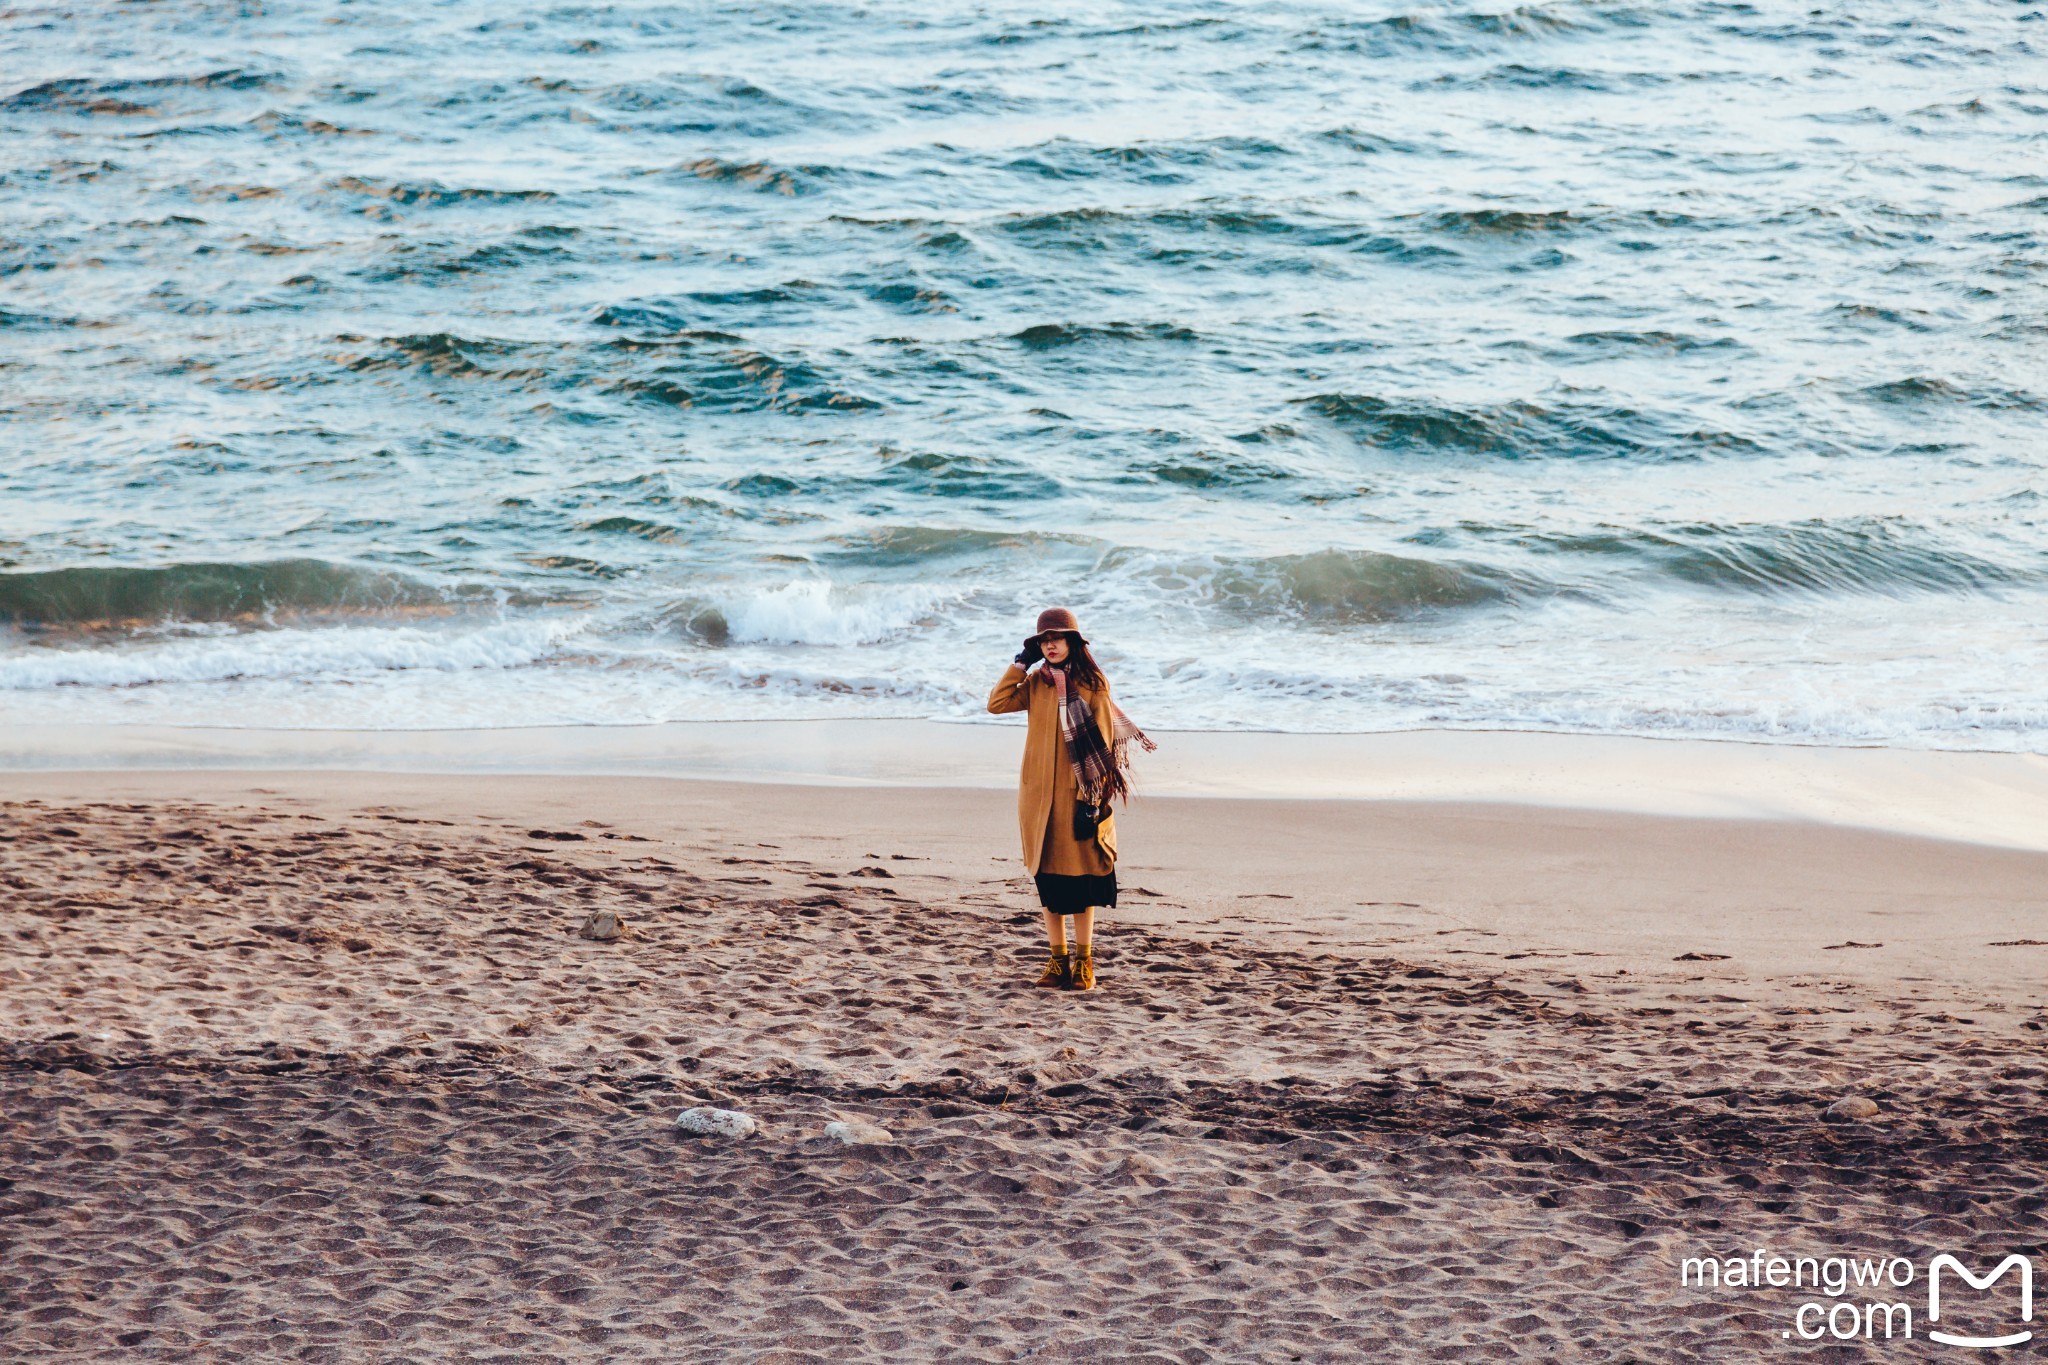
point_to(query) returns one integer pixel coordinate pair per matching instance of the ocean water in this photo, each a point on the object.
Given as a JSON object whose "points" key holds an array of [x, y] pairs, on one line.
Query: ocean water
{"points": [[1667, 368]]}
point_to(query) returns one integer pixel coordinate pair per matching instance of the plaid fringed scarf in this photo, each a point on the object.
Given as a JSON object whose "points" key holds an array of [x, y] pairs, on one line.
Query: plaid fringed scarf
{"points": [[1095, 764]]}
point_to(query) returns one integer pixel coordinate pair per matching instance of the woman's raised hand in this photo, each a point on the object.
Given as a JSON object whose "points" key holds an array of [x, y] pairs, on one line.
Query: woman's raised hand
{"points": [[1031, 653]]}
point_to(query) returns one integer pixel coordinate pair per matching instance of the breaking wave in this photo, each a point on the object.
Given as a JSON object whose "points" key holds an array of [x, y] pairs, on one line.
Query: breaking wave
{"points": [[130, 596]]}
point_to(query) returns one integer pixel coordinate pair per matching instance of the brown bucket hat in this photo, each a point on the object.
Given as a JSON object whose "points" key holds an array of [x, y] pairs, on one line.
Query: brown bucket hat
{"points": [[1057, 620]]}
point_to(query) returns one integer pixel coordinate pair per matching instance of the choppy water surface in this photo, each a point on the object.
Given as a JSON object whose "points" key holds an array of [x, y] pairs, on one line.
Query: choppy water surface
{"points": [[1674, 368]]}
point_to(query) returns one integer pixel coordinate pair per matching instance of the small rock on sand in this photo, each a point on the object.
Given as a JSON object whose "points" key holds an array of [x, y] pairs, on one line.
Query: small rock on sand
{"points": [[730, 1123], [858, 1133], [603, 925], [1850, 1108]]}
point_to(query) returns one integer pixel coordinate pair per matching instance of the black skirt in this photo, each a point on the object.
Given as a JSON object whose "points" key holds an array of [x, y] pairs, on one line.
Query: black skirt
{"points": [[1072, 895]]}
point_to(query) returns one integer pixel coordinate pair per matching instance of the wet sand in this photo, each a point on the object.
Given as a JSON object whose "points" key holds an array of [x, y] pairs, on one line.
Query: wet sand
{"points": [[315, 1066], [1999, 799]]}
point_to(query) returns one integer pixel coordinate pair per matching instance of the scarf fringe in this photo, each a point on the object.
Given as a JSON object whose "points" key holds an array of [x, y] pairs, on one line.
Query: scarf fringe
{"points": [[1092, 760]]}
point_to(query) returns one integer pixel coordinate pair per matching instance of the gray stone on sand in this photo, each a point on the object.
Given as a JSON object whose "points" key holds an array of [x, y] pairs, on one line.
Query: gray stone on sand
{"points": [[603, 925], [858, 1133], [1850, 1108], [709, 1122]]}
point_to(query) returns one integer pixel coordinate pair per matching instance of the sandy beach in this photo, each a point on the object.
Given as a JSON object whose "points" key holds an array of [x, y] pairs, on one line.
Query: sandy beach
{"points": [[314, 1065], [516, 529]]}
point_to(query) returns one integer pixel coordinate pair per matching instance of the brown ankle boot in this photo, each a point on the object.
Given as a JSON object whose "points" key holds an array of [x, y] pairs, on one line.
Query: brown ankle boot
{"points": [[1084, 969], [1058, 974]]}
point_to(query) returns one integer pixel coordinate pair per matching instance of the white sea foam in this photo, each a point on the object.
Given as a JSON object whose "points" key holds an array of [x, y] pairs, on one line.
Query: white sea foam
{"points": [[294, 653], [1918, 671], [1575, 668], [817, 612]]}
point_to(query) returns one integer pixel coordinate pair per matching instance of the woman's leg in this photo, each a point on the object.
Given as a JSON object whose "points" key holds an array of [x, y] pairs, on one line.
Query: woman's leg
{"points": [[1084, 950], [1056, 931], [1059, 968]]}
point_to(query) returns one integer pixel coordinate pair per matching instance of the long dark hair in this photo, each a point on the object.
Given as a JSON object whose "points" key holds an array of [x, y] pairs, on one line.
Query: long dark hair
{"points": [[1081, 663]]}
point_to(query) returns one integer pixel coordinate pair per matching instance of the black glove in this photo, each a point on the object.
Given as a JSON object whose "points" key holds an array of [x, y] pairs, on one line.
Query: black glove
{"points": [[1031, 653]]}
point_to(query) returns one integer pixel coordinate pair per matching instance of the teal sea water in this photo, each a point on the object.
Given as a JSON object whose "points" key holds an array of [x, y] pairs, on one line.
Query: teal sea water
{"points": [[1666, 368]]}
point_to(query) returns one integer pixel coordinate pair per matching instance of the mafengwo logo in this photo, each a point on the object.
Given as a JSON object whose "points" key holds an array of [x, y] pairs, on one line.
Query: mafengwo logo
{"points": [[1863, 1302], [1948, 1262]]}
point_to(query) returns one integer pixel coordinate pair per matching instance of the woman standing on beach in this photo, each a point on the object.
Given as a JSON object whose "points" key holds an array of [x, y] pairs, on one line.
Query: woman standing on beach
{"points": [[1074, 756]]}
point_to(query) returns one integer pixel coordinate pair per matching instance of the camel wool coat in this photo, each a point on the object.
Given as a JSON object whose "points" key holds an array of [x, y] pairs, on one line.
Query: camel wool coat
{"points": [[1046, 792]]}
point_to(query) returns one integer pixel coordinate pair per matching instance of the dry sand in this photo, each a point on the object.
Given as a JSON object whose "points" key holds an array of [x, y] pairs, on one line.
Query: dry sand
{"points": [[315, 1066]]}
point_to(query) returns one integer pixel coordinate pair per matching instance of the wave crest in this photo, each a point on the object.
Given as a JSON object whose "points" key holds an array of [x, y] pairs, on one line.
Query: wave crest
{"points": [[96, 596], [1518, 429], [433, 194], [1332, 586], [812, 612]]}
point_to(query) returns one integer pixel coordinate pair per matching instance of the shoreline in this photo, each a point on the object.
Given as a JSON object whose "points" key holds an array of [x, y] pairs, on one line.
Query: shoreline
{"points": [[1983, 798]]}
